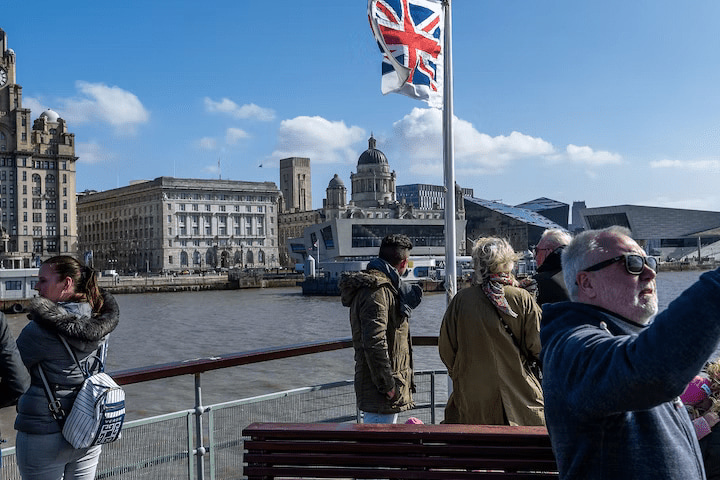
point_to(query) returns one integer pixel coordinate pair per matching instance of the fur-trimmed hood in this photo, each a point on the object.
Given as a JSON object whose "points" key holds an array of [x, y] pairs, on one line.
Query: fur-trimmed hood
{"points": [[352, 282], [92, 328]]}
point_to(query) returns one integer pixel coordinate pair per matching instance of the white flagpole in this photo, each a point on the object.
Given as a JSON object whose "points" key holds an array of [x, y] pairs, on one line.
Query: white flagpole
{"points": [[449, 161]]}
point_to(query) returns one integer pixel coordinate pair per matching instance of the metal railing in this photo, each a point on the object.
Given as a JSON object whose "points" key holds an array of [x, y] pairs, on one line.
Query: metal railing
{"points": [[205, 442]]}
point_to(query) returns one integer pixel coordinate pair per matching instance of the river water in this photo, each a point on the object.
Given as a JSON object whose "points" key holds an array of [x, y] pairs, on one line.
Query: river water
{"points": [[169, 327]]}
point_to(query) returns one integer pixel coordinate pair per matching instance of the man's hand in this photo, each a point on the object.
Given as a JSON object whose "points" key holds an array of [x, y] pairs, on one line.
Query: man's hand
{"points": [[391, 394]]}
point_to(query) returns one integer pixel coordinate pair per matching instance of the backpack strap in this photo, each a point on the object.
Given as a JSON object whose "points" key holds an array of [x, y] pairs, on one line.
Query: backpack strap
{"points": [[85, 370], [54, 404]]}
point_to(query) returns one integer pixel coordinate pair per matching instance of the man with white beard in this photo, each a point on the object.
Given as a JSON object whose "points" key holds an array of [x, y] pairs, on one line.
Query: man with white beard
{"points": [[611, 378]]}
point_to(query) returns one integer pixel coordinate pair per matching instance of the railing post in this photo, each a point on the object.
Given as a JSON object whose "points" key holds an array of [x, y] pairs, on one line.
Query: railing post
{"points": [[432, 398], [199, 448]]}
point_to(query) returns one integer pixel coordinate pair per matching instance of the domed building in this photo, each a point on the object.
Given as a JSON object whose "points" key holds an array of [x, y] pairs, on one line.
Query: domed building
{"points": [[374, 183], [352, 230]]}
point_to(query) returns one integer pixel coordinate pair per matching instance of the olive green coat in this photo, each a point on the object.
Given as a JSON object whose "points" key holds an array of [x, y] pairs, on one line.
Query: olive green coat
{"points": [[490, 384], [381, 338]]}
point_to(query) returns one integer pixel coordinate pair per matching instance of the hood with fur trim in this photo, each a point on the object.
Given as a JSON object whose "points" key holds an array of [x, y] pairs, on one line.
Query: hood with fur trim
{"points": [[47, 314]]}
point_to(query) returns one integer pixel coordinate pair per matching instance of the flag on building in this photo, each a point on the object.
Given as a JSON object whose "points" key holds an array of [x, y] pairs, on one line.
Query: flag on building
{"points": [[410, 36]]}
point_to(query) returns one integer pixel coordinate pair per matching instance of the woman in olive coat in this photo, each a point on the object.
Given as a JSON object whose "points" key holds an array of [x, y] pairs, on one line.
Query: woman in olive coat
{"points": [[491, 383]]}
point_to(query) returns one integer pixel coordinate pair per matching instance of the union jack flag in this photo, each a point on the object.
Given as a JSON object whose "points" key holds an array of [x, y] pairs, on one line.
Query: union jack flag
{"points": [[410, 35]]}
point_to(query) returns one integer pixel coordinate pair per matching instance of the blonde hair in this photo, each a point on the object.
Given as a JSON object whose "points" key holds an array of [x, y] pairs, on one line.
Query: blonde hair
{"points": [[492, 255]]}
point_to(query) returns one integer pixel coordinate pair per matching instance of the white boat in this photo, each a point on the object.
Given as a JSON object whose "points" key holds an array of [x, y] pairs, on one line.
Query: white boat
{"points": [[17, 287]]}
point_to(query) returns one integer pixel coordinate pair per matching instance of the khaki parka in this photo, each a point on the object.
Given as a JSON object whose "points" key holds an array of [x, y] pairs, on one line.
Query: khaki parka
{"points": [[490, 384], [381, 339]]}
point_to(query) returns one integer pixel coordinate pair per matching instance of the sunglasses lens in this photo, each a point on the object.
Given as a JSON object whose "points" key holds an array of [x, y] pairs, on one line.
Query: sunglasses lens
{"points": [[652, 263], [636, 263]]}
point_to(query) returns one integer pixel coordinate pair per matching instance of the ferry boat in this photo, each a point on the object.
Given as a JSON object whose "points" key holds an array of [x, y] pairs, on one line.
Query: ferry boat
{"points": [[17, 287]]}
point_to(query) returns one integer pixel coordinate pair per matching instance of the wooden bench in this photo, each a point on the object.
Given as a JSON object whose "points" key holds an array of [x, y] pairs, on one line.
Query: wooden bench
{"points": [[349, 450]]}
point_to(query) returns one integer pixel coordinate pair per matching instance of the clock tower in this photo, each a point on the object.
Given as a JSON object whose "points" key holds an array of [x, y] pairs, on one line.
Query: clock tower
{"points": [[37, 177]]}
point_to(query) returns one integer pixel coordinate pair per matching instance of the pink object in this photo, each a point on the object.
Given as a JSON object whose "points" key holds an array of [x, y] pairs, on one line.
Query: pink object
{"points": [[696, 391], [414, 421]]}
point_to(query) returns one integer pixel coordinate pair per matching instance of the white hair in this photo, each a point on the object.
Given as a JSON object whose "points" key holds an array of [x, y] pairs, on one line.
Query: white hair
{"points": [[583, 246]]}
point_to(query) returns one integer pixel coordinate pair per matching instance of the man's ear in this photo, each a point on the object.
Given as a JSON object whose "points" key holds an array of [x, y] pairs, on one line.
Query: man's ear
{"points": [[586, 286]]}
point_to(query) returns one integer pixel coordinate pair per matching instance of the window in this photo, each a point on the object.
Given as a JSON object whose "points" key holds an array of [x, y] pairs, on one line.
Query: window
{"points": [[170, 259], [25, 246], [37, 217], [169, 218], [64, 204], [182, 207], [13, 285], [207, 208]]}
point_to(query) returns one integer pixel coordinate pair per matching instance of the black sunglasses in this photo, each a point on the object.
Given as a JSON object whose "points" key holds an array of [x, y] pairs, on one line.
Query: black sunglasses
{"points": [[634, 264]]}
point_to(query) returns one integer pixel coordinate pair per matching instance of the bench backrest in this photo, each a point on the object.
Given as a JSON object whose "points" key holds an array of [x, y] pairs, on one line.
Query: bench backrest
{"points": [[348, 450]]}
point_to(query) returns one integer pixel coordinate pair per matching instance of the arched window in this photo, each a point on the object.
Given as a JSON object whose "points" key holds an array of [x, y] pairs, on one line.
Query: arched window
{"points": [[183, 259], [261, 257], [249, 258]]}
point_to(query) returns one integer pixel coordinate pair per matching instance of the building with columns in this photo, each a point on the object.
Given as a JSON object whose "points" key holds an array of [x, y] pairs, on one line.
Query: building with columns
{"points": [[175, 224], [37, 177]]}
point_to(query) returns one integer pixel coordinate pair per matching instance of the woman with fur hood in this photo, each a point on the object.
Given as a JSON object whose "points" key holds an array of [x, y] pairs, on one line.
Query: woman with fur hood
{"points": [[70, 304]]}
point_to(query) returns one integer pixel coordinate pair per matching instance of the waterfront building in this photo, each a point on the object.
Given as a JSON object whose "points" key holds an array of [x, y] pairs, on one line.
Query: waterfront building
{"points": [[37, 176], [426, 197], [520, 226], [176, 224], [345, 230], [669, 233], [551, 209]]}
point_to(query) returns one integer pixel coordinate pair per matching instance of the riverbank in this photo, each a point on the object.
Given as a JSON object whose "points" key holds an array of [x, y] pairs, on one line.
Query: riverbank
{"points": [[196, 282], [687, 266]]}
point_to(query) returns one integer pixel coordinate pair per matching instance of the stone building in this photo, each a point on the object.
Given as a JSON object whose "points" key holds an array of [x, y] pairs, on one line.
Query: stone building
{"points": [[37, 177], [425, 196], [174, 224]]}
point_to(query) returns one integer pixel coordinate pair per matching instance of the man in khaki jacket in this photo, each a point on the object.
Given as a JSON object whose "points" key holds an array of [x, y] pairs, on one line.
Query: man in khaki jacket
{"points": [[380, 306]]}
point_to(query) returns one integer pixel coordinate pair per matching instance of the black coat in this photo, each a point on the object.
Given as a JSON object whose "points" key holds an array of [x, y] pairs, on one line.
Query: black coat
{"points": [[549, 278]]}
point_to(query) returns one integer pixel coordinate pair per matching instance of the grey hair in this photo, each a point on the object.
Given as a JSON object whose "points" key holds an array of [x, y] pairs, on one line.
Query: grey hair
{"points": [[555, 236], [491, 255], [584, 246]]}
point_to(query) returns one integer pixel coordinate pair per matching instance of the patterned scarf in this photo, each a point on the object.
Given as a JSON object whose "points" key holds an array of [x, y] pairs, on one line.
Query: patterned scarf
{"points": [[493, 288]]}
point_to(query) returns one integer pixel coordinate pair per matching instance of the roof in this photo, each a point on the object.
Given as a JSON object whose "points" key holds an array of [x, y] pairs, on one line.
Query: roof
{"points": [[542, 203], [522, 214]]}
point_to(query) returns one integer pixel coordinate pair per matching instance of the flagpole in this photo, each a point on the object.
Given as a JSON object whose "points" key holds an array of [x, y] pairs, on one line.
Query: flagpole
{"points": [[449, 161]]}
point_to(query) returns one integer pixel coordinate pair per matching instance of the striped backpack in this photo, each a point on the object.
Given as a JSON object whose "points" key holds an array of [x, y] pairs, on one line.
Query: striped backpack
{"points": [[98, 413]]}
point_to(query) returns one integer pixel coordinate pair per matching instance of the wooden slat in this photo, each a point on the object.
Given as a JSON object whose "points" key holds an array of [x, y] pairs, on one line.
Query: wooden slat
{"points": [[365, 448]]}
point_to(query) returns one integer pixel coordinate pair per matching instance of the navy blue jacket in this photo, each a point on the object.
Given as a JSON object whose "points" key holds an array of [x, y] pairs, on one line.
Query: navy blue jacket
{"points": [[611, 386]]}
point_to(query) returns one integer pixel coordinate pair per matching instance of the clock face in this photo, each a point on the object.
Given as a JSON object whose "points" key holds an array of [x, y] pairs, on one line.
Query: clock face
{"points": [[3, 77]]}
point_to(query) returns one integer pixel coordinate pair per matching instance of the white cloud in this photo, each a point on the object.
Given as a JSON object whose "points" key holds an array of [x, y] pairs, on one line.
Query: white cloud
{"points": [[589, 157], [233, 135], [701, 165], [99, 103], [35, 105], [419, 135], [709, 202], [321, 140], [92, 152], [207, 143], [212, 169], [229, 107]]}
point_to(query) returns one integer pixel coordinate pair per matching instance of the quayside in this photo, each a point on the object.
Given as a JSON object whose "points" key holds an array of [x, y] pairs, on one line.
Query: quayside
{"points": [[205, 442]]}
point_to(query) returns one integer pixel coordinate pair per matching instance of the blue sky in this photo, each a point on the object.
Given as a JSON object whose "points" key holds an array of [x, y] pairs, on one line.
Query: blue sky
{"points": [[610, 102]]}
